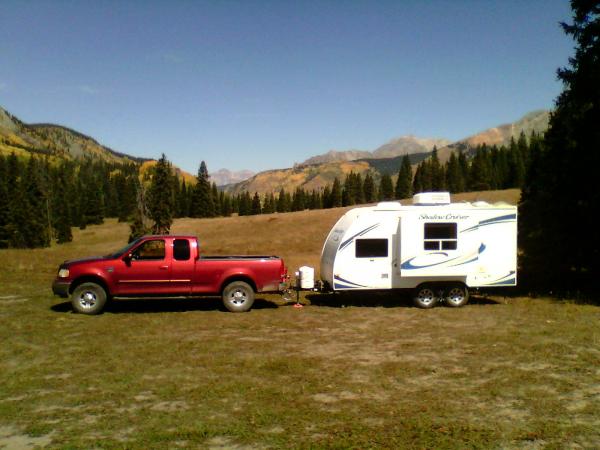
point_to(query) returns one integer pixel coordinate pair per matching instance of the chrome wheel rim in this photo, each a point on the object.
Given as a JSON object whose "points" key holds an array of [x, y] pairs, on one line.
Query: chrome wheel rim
{"points": [[455, 296], [426, 297], [87, 300], [238, 297]]}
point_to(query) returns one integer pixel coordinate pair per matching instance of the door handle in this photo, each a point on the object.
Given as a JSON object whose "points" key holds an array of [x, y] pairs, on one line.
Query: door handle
{"points": [[163, 267]]}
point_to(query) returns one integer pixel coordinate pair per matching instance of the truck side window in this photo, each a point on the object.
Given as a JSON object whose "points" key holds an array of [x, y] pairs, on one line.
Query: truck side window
{"points": [[150, 250], [440, 236], [371, 248], [181, 249]]}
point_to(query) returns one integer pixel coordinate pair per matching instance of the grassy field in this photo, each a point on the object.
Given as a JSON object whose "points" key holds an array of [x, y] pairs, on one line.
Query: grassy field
{"points": [[343, 372]]}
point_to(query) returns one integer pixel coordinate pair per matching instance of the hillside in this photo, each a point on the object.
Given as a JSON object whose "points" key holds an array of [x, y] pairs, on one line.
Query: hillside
{"points": [[59, 142], [55, 141], [308, 177], [535, 121]]}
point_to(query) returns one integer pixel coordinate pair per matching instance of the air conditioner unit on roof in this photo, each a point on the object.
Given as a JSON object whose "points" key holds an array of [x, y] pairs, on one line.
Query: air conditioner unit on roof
{"points": [[431, 198]]}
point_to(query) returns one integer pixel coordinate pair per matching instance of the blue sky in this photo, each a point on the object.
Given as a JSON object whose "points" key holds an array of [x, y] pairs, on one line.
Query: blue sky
{"points": [[263, 84]]}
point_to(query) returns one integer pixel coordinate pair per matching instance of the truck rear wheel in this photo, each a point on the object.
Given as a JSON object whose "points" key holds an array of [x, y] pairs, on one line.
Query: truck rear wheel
{"points": [[425, 296], [88, 298], [238, 296], [456, 295]]}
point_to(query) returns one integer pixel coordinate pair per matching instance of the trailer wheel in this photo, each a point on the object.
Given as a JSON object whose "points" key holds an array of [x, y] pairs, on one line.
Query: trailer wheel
{"points": [[456, 295], [425, 296], [88, 298], [238, 296]]}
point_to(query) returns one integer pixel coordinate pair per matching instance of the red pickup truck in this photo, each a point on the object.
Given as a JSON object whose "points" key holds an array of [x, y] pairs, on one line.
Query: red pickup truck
{"points": [[167, 266]]}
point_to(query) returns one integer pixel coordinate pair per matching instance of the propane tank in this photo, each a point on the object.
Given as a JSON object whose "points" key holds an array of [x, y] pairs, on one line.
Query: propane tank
{"points": [[307, 277]]}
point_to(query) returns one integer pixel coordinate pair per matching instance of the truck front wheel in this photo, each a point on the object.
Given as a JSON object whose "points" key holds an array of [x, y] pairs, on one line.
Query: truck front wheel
{"points": [[238, 296], [88, 298]]}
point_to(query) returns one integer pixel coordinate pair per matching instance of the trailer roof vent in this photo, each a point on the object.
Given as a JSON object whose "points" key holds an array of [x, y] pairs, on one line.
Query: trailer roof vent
{"points": [[432, 198]]}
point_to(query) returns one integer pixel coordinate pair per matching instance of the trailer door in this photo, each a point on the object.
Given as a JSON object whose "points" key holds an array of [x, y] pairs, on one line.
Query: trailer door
{"points": [[372, 264]]}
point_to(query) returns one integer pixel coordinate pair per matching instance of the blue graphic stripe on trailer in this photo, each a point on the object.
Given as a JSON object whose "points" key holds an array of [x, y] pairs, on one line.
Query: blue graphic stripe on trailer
{"points": [[498, 219], [501, 219], [343, 286], [407, 265], [336, 278], [504, 279], [360, 233], [510, 282], [466, 262]]}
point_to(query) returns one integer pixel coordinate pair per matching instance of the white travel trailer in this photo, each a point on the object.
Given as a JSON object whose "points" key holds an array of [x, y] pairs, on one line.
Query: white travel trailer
{"points": [[437, 248]]}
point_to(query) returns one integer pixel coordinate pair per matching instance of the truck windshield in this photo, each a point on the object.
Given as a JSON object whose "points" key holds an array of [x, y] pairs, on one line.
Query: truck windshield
{"points": [[124, 249]]}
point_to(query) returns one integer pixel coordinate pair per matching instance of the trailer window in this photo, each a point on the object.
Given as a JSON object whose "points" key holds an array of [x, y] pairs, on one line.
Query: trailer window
{"points": [[440, 236], [181, 249], [371, 248]]}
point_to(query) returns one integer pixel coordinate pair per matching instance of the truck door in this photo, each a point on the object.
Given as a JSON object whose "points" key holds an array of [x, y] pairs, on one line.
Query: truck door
{"points": [[147, 272], [182, 266]]}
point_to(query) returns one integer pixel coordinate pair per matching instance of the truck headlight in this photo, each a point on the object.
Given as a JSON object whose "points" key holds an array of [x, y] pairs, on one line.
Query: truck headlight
{"points": [[63, 273]]}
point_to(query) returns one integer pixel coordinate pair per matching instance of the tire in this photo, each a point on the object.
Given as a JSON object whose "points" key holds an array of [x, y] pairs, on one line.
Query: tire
{"points": [[88, 298], [425, 296], [456, 295], [238, 296]]}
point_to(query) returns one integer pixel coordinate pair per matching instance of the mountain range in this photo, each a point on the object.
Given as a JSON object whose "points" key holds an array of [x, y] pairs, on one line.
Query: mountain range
{"points": [[321, 170], [396, 147], [57, 142]]}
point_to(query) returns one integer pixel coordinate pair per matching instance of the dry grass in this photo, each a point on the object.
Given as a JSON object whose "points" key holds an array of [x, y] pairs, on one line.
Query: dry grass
{"points": [[344, 372]]}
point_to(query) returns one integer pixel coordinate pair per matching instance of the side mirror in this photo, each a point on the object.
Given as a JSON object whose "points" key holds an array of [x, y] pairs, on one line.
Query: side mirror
{"points": [[127, 258]]}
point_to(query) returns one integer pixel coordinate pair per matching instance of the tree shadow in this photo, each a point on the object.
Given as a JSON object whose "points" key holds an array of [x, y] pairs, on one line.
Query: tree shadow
{"points": [[164, 305]]}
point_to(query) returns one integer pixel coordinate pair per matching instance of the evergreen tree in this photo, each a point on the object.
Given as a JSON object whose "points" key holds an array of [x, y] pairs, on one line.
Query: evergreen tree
{"points": [[214, 192], [4, 203], [202, 199], [359, 191], [560, 196], [298, 200], [245, 204], [464, 168], [255, 208], [404, 181], [93, 205], [436, 172], [418, 180], [336, 194], [37, 224], [369, 189], [161, 199], [226, 204], [516, 165], [183, 206], [386, 188], [480, 171], [17, 215], [62, 211], [270, 204], [327, 197], [281, 202], [455, 181]]}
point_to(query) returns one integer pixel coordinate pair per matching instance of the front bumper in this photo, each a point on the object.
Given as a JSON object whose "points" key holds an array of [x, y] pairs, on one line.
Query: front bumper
{"points": [[61, 287]]}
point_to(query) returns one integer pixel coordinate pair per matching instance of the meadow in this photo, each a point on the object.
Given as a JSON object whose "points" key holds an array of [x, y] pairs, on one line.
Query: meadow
{"points": [[345, 371]]}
